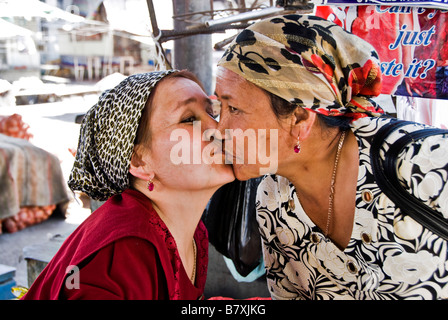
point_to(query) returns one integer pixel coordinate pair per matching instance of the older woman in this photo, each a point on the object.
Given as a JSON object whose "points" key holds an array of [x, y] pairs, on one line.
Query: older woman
{"points": [[146, 241], [328, 230]]}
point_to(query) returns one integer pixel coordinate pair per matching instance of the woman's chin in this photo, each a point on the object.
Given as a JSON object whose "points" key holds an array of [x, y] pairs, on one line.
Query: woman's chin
{"points": [[216, 176], [245, 172], [227, 173]]}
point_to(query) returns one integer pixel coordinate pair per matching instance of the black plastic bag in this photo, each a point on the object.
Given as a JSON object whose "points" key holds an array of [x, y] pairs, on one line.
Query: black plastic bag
{"points": [[232, 227]]}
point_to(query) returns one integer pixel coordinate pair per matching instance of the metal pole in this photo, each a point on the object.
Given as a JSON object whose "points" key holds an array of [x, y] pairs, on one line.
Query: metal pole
{"points": [[156, 32], [152, 16], [251, 15]]}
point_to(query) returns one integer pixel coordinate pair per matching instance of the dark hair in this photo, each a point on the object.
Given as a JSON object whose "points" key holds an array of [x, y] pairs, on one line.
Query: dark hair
{"points": [[143, 135], [283, 108]]}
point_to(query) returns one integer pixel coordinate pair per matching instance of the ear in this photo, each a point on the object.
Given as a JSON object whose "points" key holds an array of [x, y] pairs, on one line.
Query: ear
{"points": [[302, 122], [140, 172], [138, 167]]}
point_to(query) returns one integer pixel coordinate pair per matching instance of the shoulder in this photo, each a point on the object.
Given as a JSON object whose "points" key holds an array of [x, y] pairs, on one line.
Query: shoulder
{"points": [[134, 252], [127, 250], [369, 127], [121, 217], [421, 164], [422, 168], [272, 191], [127, 268], [122, 228], [128, 214]]}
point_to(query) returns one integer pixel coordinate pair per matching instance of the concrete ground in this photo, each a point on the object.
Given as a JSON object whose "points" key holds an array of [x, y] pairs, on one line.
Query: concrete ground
{"points": [[55, 130]]}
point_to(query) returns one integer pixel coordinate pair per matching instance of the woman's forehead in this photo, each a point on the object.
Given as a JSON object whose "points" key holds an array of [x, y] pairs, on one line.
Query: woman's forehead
{"points": [[179, 91], [228, 84]]}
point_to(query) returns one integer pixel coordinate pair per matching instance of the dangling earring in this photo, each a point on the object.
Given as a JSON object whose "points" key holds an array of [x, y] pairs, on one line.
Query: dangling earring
{"points": [[150, 185], [297, 146]]}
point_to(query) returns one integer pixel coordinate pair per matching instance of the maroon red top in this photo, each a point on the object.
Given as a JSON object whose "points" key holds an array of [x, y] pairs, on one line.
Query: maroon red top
{"points": [[123, 251]]}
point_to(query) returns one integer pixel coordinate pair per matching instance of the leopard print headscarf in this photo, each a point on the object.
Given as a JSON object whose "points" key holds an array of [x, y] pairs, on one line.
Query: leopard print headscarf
{"points": [[107, 135], [309, 61]]}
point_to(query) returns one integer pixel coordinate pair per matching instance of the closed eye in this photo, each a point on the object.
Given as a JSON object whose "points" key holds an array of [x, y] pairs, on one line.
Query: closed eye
{"points": [[188, 120]]}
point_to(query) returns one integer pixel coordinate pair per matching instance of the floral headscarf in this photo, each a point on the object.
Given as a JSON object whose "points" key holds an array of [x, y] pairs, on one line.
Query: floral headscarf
{"points": [[309, 61], [107, 135]]}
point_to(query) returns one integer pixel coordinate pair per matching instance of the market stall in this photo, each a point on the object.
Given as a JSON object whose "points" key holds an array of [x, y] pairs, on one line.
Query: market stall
{"points": [[31, 180]]}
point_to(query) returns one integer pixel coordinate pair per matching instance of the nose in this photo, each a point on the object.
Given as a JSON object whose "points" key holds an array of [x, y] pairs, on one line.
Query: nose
{"points": [[209, 128], [223, 125]]}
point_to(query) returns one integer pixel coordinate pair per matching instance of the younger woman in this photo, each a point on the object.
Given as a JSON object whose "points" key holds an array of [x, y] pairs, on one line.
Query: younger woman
{"points": [[146, 241]]}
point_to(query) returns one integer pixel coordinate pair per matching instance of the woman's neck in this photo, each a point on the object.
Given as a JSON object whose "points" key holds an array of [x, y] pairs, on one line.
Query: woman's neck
{"points": [[312, 177], [310, 170], [180, 210]]}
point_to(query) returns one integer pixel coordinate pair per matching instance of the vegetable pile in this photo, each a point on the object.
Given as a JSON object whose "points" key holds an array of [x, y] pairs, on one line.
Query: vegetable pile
{"points": [[13, 126]]}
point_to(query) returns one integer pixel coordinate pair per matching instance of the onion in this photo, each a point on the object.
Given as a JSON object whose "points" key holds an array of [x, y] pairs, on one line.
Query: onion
{"points": [[9, 225]]}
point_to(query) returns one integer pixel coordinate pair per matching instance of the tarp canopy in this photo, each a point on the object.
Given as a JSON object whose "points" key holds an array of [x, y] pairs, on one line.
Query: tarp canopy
{"points": [[35, 8], [11, 30]]}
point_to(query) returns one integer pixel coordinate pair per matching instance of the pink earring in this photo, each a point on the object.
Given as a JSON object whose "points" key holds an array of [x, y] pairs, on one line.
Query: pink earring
{"points": [[297, 146], [150, 185]]}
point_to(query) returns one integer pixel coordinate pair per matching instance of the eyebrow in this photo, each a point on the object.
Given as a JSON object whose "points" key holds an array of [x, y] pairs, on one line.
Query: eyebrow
{"points": [[191, 100], [223, 97]]}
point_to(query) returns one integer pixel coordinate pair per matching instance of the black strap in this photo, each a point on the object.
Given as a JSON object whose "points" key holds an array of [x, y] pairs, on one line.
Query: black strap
{"points": [[387, 179]]}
